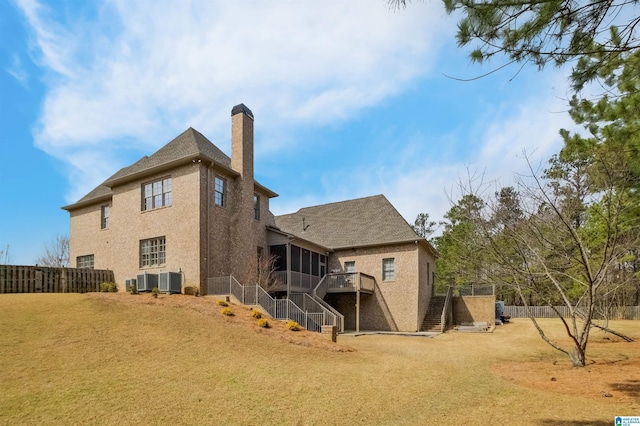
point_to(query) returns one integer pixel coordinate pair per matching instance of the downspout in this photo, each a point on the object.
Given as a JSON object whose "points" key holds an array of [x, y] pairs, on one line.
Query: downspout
{"points": [[358, 310], [207, 222], [288, 268]]}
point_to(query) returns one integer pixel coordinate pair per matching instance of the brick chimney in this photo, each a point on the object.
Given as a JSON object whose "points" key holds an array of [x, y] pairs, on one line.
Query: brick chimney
{"points": [[242, 142], [243, 234]]}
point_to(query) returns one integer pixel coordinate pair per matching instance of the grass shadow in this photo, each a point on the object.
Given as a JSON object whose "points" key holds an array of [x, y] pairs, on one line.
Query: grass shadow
{"points": [[630, 387]]}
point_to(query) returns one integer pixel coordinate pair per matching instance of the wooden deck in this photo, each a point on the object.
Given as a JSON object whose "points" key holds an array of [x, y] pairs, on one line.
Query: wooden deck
{"points": [[350, 283]]}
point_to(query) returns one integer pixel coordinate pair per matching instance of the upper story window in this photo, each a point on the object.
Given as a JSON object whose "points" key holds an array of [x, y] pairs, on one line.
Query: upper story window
{"points": [[84, 261], [256, 207], [105, 212], [156, 194], [220, 191], [153, 251], [388, 269], [350, 266]]}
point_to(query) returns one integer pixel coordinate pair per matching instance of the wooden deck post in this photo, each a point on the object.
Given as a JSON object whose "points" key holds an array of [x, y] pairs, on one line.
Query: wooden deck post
{"points": [[357, 311]]}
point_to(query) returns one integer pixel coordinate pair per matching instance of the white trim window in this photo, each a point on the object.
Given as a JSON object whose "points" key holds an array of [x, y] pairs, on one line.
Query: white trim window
{"points": [[85, 261], [153, 252], [388, 269], [350, 266], [105, 212], [220, 186], [157, 194]]}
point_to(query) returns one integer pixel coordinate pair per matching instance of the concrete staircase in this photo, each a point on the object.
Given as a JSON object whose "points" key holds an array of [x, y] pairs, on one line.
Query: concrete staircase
{"points": [[434, 313]]}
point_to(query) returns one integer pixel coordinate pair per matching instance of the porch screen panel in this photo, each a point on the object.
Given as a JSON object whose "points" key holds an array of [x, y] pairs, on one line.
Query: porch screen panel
{"points": [[280, 254], [306, 261], [315, 264], [295, 258]]}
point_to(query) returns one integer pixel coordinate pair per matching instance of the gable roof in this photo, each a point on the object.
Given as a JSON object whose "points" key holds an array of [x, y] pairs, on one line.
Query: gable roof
{"points": [[99, 193], [184, 148], [368, 221]]}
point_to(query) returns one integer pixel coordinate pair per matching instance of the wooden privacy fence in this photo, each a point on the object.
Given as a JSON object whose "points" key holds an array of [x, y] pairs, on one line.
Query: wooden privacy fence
{"points": [[41, 279], [621, 312]]}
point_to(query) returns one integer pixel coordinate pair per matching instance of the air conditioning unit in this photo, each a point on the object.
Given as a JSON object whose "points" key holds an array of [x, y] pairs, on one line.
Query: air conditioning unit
{"points": [[130, 283], [146, 282], [170, 282]]}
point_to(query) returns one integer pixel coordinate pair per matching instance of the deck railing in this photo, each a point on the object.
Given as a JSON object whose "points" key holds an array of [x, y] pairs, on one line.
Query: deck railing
{"points": [[321, 289], [299, 280], [345, 281], [367, 282]]}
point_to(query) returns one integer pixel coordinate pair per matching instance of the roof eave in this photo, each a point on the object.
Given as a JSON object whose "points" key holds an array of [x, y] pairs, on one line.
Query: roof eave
{"points": [[388, 243], [168, 166], [293, 237], [264, 189], [86, 203], [431, 248]]}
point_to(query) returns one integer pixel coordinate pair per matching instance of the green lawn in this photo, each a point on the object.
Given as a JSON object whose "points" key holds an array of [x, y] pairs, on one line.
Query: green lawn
{"points": [[78, 359]]}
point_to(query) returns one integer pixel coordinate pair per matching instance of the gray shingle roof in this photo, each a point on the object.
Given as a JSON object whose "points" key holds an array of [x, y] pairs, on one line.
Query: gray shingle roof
{"points": [[354, 223], [189, 144], [99, 192]]}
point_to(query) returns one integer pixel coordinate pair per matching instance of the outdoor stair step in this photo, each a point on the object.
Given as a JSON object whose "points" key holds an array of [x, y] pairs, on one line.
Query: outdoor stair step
{"points": [[431, 320]]}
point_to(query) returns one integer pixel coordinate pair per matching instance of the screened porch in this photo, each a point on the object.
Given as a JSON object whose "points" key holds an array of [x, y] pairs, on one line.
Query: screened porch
{"points": [[296, 269]]}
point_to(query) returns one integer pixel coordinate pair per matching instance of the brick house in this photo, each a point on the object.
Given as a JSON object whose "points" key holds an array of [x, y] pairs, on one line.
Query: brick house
{"points": [[364, 240], [191, 209]]}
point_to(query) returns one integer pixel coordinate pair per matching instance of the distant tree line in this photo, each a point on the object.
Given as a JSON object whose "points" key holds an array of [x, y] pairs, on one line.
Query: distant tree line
{"points": [[568, 234]]}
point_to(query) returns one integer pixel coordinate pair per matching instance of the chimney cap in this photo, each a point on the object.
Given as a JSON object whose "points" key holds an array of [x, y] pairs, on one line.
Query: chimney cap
{"points": [[241, 108]]}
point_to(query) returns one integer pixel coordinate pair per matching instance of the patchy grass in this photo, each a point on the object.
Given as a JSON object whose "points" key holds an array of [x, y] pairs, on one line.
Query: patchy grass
{"points": [[116, 358]]}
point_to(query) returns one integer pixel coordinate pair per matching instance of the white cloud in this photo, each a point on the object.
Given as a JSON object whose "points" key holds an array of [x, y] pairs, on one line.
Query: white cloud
{"points": [[416, 180], [16, 70], [139, 72]]}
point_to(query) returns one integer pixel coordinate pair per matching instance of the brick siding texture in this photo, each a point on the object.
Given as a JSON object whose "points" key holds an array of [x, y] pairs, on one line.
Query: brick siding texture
{"points": [[406, 296]]}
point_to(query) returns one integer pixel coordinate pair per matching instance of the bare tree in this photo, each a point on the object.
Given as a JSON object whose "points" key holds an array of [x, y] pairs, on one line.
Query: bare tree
{"points": [[265, 275], [549, 258], [56, 253], [5, 257]]}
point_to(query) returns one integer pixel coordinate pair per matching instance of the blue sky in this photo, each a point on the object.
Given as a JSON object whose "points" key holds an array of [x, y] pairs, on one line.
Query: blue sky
{"points": [[350, 99]]}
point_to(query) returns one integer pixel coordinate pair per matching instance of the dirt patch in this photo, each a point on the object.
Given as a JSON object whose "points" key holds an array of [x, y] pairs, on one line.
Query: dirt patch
{"points": [[242, 317], [613, 373]]}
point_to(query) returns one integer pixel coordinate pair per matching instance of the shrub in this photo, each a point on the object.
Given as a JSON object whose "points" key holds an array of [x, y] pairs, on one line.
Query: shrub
{"points": [[133, 288], [222, 303], [293, 326], [227, 311], [256, 313], [192, 291], [155, 292], [108, 287], [262, 322]]}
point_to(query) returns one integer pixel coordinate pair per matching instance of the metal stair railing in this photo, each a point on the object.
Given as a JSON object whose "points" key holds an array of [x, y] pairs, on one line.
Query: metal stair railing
{"points": [[323, 312], [444, 319], [336, 317], [318, 295], [225, 286], [321, 289], [219, 285], [313, 315]]}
